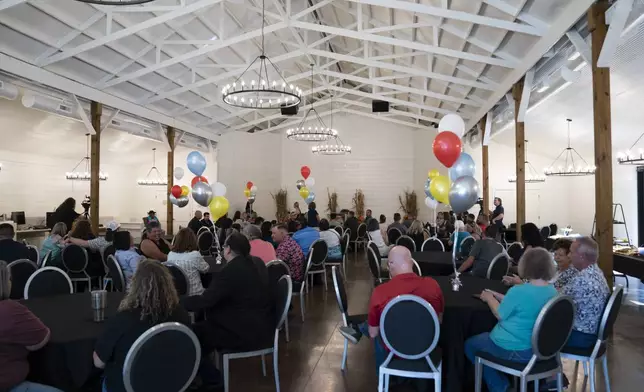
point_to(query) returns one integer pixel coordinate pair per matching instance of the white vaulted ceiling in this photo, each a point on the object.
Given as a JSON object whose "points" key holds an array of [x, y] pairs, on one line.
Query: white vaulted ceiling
{"points": [[167, 60]]}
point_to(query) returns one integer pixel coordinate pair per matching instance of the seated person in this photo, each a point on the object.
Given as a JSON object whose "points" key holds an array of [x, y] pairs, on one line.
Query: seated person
{"points": [[126, 255], [472, 228], [517, 312], [383, 227], [238, 305], [403, 281], [483, 222], [258, 247], [11, 250], [195, 222], [154, 246], [151, 300], [332, 239], [352, 224], [458, 235], [416, 233], [289, 252], [336, 220], [82, 229], [54, 243], [267, 234], [482, 253], [565, 270], [152, 217], [185, 255], [373, 229], [97, 244], [206, 222], [396, 224], [305, 236]]}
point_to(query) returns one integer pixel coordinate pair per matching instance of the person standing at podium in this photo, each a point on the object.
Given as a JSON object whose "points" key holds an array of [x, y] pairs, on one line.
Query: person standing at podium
{"points": [[66, 213]]}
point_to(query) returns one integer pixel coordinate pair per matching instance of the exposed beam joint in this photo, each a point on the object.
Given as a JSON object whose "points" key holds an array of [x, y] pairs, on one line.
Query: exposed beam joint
{"points": [[617, 23], [488, 129], [580, 45], [109, 119], [81, 112], [525, 95]]}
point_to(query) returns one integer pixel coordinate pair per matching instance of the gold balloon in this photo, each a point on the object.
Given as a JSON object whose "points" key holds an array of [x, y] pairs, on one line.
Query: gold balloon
{"points": [[304, 192], [439, 188], [218, 207], [433, 174], [247, 192], [185, 190]]}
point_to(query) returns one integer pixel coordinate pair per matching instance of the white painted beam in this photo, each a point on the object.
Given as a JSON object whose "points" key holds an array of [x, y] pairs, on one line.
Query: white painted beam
{"points": [[617, 23], [130, 30], [525, 95], [580, 45], [83, 115], [4, 4], [308, 10], [509, 9], [111, 117], [69, 37], [488, 129], [398, 27]]}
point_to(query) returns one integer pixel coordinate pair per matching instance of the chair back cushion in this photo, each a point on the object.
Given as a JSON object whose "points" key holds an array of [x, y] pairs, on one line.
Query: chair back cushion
{"points": [[393, 234], [109, 250], [466, 246], [318, 251], [375, 249], [205, 241], [545, 232], [340, 291], [276, 269], [283, 298], [553, 228], [115, 273], [20, 271], [407, 242], [362, 231], [75, 258], [515, 250], [48, 281], [344, 243], [433, 244], [409, 327], [498, 267], [45, 260], [180, 279], [338, 229], [33, 253], [613, 305], [374, 263], [152, 365], [553, 326]]}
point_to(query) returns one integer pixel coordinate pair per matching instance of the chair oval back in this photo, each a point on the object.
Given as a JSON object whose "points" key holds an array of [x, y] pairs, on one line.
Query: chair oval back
{"points": [[416, 268], [114, 271], [552, 327], [515, 250], [180, 279], [338, 229], [374, 263], [545, 232], [205, 241], [498, 267], [466, 246], [318, 252], [372, 245], [48, 281], [146, 363], [432, 244], [45, 260], [283, 298], [407, 242], [344, 243], [347, 231], [201, 230], [75, 258], [393, 234], [20, 271], [611, 311], [109, 250], [409, 327], [340, 291], [276, 269], [362, 231], [34, 254]]}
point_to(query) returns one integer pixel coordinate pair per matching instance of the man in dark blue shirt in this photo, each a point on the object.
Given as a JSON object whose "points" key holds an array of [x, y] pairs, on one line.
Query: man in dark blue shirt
{"points": [[11, 250], [497, 215]]}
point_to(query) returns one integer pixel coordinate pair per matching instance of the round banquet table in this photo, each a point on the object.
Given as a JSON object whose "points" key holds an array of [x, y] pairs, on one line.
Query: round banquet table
{"points": [[464, 317], [435, 263], [66, 361]]}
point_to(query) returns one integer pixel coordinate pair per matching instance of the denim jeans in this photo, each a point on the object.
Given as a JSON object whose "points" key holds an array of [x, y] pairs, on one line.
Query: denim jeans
{"points": [[495, 380], [581, 340], [380, 352], [28, 386]]}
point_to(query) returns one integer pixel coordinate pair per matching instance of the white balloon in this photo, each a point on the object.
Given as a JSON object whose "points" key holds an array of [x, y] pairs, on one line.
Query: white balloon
{"points": [[253, 189], [178, 173], [452, 122], [309, 182], [431, 203], [219, 189]]}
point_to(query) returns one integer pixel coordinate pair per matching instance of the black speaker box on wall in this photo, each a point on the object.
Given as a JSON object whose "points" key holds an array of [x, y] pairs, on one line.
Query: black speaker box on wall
{"points": [[379, 106], [289, 111]]}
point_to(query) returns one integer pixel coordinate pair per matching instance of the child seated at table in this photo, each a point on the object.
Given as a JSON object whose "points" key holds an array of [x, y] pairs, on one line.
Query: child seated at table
{"points": [[185, 255], [126, 255]]}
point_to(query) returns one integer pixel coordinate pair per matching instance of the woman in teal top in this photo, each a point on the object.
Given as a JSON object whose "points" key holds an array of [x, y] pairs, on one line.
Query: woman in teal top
{"points": [[458, 235], [517, 312], [54, 244]]}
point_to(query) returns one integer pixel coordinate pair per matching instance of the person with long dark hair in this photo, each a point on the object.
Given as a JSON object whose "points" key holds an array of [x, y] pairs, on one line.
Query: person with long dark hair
{"points": [[66, 212], [238, 305]]}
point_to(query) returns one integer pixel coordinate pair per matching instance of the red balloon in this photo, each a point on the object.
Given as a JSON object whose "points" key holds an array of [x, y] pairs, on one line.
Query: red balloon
{"points": [[198, 179], [249, 184], [305, 171], [176, 191], [447, 148]]}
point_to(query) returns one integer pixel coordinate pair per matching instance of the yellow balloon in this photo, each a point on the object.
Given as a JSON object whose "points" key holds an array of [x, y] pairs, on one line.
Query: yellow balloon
{"points": [[185, 190], [218, 207], [433, 174], [304, 192], [247, 192], [439, 188]]}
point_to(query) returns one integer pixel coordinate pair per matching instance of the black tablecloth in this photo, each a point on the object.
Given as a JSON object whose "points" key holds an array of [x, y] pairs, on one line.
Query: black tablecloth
{"points": [[629, 265], [435, 263], [464, 317], [66, 361]]}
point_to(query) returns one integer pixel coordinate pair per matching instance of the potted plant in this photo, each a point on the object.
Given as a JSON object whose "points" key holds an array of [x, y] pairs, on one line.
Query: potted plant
{"points": [[281, 206], [358, 204], [409, 203], [332, 206]]}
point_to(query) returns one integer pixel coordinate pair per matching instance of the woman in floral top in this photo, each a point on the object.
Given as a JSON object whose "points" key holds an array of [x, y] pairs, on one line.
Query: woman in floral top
{"points": [[289, 252]]}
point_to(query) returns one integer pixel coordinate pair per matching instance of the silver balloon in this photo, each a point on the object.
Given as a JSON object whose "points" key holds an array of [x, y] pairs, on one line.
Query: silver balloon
{"points": [[310, 198], [463, 194], [251, 199], [182, 201], [299, 184], [464, 166], [178, 173], [202, 193], [172, 199]]}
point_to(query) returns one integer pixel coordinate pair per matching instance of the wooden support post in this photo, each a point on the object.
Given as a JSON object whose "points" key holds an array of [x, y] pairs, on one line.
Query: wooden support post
{"points": [[517, 91], [603, 153], [170, 206], [96, 111], [486, 170]]}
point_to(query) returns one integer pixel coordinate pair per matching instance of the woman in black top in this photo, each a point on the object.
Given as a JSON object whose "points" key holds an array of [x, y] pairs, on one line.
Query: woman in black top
{"points": [[313, 219], [154, 246], [152, 300], [66, 212], [530, 238]]}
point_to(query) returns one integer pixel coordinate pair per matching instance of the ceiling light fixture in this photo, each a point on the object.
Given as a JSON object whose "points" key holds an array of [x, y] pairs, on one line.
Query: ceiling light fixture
{"points": [[336, 147], [115, 2], [532, 175], [147, 181], [318, 133], [567, 167], [261, 92], [86, 175], [629, 158]]}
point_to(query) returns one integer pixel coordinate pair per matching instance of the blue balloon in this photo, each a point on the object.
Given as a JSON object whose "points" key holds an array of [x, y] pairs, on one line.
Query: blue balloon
{"points": [[427, 192], [464, 166], [196, 163], [310, 198]]}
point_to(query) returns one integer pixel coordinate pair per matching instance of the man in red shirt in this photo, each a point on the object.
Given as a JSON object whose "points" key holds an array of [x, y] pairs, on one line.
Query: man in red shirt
{"points": [[403, 281]]}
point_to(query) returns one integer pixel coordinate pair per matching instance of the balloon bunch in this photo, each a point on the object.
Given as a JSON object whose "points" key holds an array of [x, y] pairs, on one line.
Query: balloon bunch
{"points": [[250, 192], [305, 186], [460, 190]]}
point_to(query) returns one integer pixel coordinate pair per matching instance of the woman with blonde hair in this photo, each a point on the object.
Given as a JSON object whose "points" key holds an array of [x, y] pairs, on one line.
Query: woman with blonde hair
{"points": [[416, 233], [185, 255], [54, 243], [152, 300]]}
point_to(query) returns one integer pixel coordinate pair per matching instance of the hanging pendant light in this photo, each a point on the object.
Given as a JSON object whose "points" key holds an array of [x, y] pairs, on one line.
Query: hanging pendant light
{"points": [[532, 175], [316, 133], [157, 180], [261, 92], [336, 147], [75, 175], [571, 163]]}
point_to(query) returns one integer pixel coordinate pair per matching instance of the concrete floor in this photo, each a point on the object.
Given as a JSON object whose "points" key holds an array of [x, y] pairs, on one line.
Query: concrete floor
{"points": [[311, 361]]}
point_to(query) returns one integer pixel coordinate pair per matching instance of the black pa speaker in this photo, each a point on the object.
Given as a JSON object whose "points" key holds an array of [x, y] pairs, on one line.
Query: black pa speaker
{"points": [[289, 111], [379, 106]]}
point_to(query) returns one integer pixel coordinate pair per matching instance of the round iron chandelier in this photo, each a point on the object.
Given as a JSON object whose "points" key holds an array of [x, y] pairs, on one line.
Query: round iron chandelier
{"points": [[115, 2], [629, 158], [571, 165], [336, 147], [261, 92], [532, 176]]}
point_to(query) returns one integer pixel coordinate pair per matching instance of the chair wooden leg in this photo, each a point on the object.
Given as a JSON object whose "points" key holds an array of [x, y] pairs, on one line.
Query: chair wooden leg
{"points": [[276, 370], [478, 375], [344, 355], [606, 377], [226, 375]]}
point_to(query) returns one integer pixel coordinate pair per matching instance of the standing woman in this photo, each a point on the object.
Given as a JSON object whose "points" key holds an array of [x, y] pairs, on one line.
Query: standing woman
{"points": [[155, 246], [313, 219], [66, 212]]}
